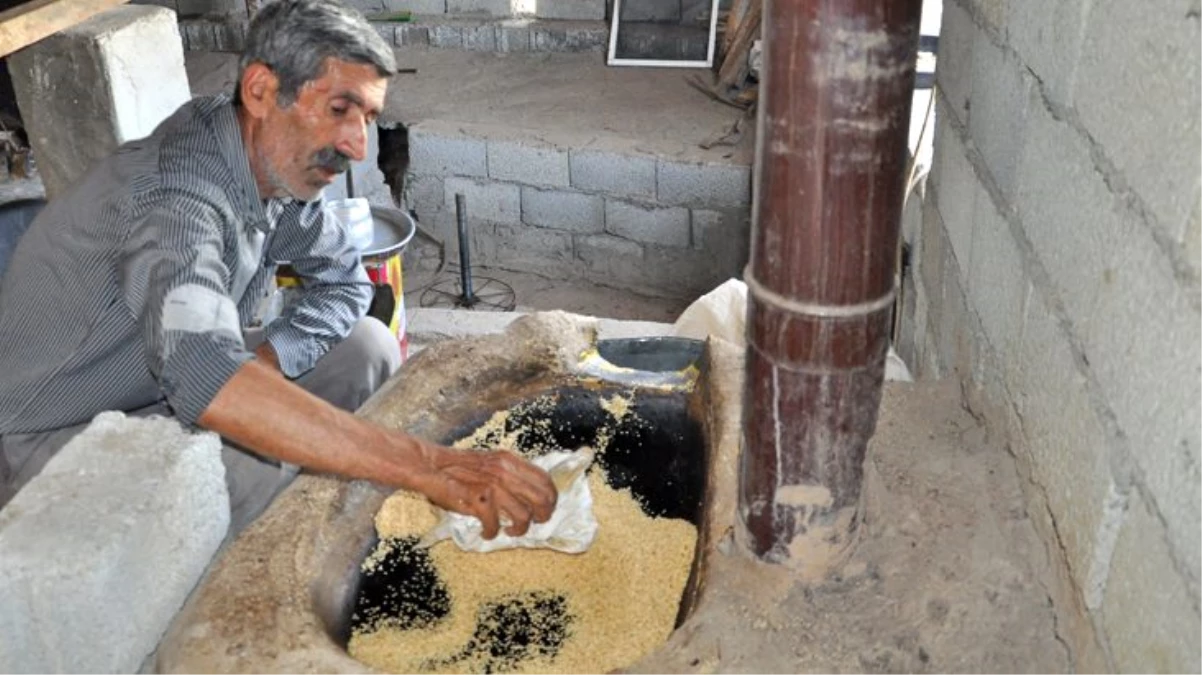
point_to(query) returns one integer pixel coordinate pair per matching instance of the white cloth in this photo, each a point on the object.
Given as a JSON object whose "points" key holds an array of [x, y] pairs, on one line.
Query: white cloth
{"points": [[571, 528]]}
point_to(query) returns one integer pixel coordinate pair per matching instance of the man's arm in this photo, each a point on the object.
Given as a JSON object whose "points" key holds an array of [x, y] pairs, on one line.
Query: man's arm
{"points": [[261, 410]]}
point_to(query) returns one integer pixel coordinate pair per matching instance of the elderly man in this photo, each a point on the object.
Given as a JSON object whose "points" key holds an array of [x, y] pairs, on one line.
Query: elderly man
{"points": [[132, 291]]}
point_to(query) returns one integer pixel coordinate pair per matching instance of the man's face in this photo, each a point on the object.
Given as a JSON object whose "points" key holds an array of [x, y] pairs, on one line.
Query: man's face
{"points": [[303, 147]]}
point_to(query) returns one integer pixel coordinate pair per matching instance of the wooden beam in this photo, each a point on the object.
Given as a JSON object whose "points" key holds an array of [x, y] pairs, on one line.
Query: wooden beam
{"points": [[32, 21]]}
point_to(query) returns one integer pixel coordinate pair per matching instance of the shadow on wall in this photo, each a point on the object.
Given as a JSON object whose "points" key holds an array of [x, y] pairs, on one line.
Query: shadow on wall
{"points": [[15, 218]]}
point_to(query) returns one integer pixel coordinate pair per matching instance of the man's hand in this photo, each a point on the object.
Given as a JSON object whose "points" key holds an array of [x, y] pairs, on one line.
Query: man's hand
{"points": [[490, 485]]}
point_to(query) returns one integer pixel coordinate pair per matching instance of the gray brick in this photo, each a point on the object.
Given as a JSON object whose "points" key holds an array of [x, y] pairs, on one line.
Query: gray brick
{"points": [[513, 35], [525, 162], [930, 260], [993, 13], [1137, 92], [493, 7], [488, 201], [386, 30], [446, 36], [424, 192], [1066, 439], [553, 38], [618, 173], [480, 38], [1193, 236], [650, 224], [1049, 42], [231, 35], [535, 250], [997, 282], [557, 209], [412, 35], [419, 7], [703, 184], [200, 35], [437, 149], [651, 10], [999, 109], [953, 71], [1067, 212], [572, 10], [955, 187], [1142, 339], [725, 235], [611, 260], [1148, 614]]}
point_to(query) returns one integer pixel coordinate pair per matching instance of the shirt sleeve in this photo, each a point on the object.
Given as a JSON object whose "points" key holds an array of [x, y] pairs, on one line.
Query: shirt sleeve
{"points": [[336, 291], [177, 286]]}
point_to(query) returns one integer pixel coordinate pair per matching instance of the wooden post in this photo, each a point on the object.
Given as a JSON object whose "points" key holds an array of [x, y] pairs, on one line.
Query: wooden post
{"points": [[834, 115]]}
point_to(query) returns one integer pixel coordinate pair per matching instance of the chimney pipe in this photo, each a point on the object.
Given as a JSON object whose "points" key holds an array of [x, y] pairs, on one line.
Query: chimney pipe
{"points": [[836, 88]]}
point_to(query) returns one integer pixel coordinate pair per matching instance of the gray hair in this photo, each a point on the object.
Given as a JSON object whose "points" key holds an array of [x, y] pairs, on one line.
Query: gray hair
{"points": [[295, 37]]}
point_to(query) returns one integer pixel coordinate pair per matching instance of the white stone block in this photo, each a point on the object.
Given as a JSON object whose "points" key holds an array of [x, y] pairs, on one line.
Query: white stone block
{"points": [[1137, 90], [96, 80], [100, 550]]}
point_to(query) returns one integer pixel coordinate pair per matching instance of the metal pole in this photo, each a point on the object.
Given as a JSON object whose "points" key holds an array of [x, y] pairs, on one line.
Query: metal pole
{"points": [[465, 255], [834, 113]]}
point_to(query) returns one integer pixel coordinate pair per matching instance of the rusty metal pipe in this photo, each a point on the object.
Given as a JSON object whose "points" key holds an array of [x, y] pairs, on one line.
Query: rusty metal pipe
{"points": [[836, 87]]}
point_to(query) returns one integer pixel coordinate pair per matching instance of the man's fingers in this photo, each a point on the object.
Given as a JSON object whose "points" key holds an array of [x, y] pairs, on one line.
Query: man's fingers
{"points": [[513, 509], [487, 512], [532, 486]]}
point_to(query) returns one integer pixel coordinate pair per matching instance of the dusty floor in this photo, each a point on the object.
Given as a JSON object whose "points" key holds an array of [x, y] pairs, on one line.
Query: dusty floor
{"points": [[949, 575]]}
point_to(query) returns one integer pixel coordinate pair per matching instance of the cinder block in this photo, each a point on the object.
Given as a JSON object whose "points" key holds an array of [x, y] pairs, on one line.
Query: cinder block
{"points": [[993, 13], [231, 35], [1067, 441], [1149, 617], [1068, 213], [997, 280], [955, 185], [680, 271], [1049, 43], [533, 249], [446, 36], [591, 37], [412, 35], [615, 172], [437, 148], [649, 224], [424, 192], [571, 10], [999, 109], [703, 184], [480, 38], [725, 235], [513, 35], [651, 10], [491, 7], [527, 162], [1137, 91], [386, 30], [100, 550], [419, 7], [199, 35], [562, 210], [931, 257], [599, 251], [493, 202], [1142, 343], [953, 70], [953, 317], [105, 90], [1192, 246]]}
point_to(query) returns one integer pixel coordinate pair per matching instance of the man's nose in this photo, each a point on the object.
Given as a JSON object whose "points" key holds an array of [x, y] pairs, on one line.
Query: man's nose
{"points": [[353, 140]]}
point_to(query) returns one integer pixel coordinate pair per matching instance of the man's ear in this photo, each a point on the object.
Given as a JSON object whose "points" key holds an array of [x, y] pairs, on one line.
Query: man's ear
{"points": [[259, 88]]}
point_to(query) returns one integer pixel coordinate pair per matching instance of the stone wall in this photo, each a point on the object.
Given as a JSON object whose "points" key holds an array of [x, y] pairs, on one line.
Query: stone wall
{"points": [[1055, 272]]}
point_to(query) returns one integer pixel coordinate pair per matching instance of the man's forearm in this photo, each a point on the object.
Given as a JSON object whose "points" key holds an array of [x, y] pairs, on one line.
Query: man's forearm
{"points": [[262, 411]]}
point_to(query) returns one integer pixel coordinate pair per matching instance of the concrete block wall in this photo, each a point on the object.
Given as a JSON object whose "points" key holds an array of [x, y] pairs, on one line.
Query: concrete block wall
{"points": [[1056, 274], [603, 212]]}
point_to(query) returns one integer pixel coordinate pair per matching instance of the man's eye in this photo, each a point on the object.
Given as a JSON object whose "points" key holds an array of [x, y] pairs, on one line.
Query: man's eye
{"points": [[339, 110]]}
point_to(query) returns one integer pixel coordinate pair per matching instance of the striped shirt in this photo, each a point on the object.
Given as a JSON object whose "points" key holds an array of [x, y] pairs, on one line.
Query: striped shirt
{"points": [[135, 286]]}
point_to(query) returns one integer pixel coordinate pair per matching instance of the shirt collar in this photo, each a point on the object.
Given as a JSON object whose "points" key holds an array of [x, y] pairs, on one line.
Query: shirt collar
{"points": [[235, 152]]}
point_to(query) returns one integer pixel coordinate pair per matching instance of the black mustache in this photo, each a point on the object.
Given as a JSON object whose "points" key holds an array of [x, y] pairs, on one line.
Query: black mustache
{"points": [[332, 160]]}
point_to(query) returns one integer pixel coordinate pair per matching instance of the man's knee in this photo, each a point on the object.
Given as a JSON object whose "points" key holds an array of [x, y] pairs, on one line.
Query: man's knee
{"points": [[356, 367]]}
